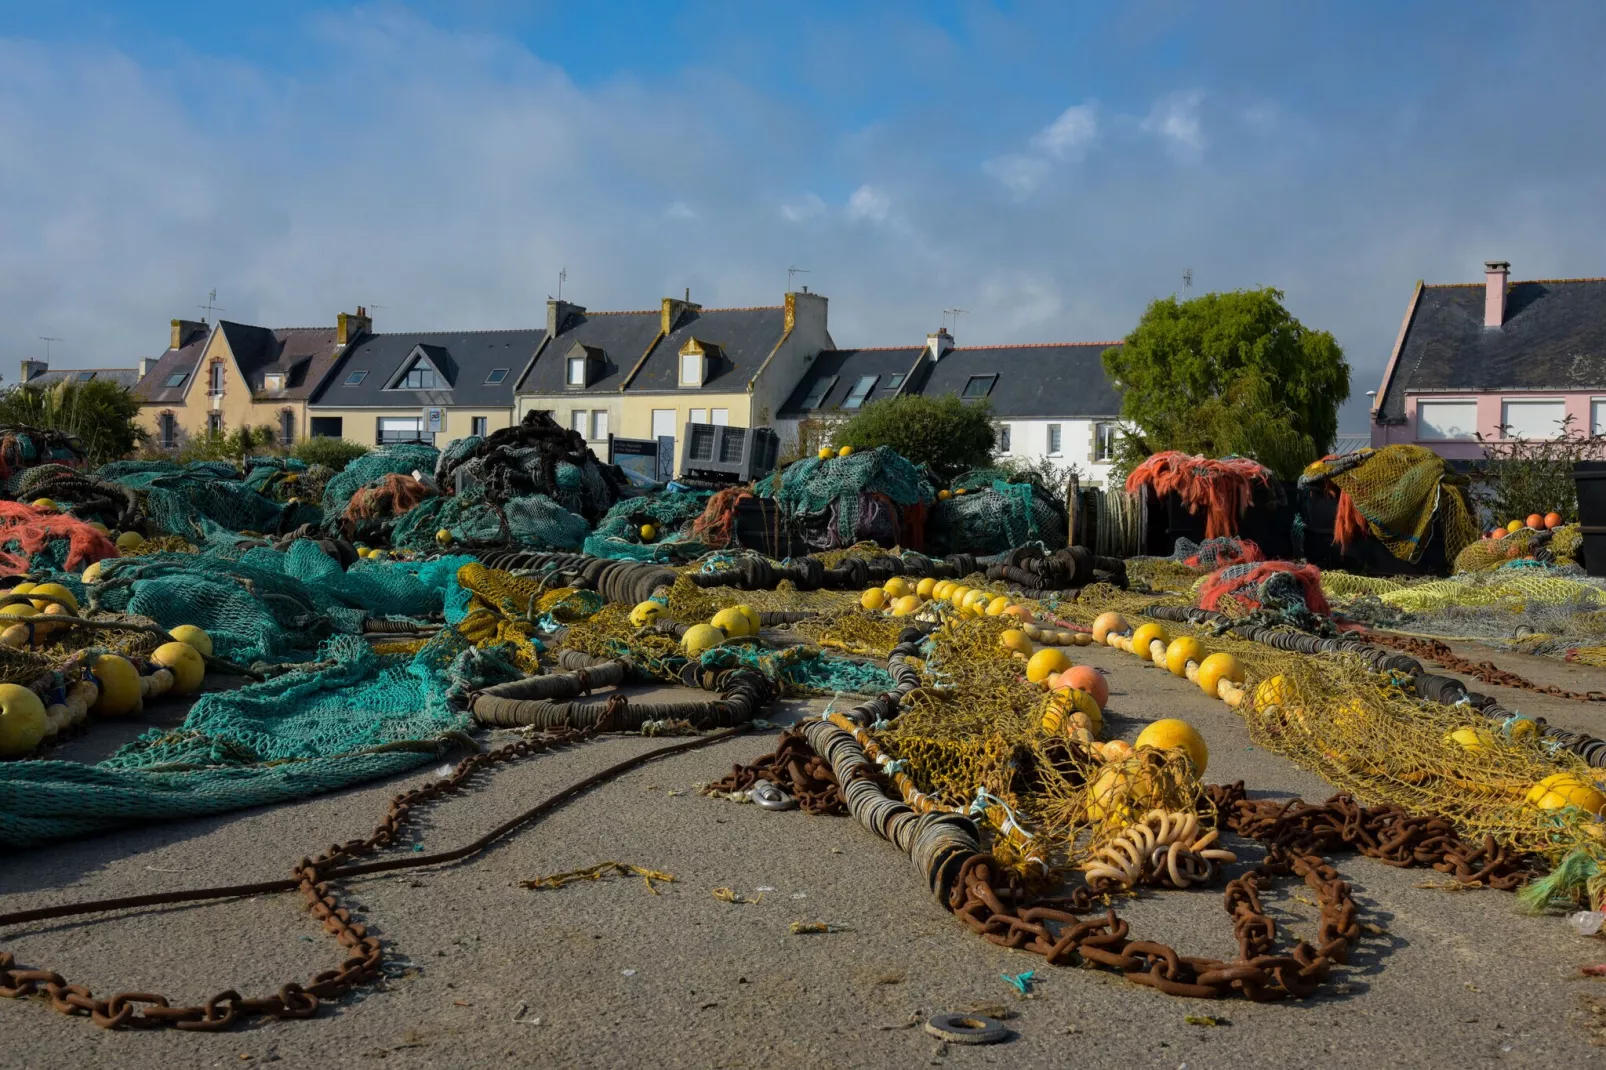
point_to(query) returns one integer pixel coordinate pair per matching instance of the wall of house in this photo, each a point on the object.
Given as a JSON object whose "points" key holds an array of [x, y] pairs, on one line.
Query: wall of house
{"points": [[1028, 442], [563, 406], [234, 403], [1587, 410], [362, 425], [635, 412], [791, 359]]}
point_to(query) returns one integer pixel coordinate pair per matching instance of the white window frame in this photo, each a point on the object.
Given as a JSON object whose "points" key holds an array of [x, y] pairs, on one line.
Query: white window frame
{"points": [[168, 428], [577, 371], [415, 424], [653, 427], [1056, 440], [697, 416], [1597, 406], [694, 373], [1431, 403], [599, 425], [1003, 438], [579, 421], [1104, 451], [1506, 403], [719, 417], [478, 425]]}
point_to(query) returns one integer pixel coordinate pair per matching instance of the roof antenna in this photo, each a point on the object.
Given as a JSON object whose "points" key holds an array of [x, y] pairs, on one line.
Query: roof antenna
{"points": [[563, 273], [47, 339], [1187, 281], [791, 271], [955, 313], [211, 305]]}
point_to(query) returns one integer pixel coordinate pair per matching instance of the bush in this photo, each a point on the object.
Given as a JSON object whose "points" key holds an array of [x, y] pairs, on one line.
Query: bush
{"points": [[100, 413], [813, 432], [234, 446], [1519, 477], [945, 434], [334, 453], [1043, 473]]}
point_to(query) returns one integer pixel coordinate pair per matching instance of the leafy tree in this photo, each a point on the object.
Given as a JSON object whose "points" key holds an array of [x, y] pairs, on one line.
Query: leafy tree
{"points": [[1228, 373], [1047, 476], [813, 432], [334, 453], [946, 434], [101, 413], [1520, 476]]}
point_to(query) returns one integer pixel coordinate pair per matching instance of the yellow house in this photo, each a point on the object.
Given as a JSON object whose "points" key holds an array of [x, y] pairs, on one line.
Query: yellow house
{"points": [[646, 374], [218, 379], [431, 387]]}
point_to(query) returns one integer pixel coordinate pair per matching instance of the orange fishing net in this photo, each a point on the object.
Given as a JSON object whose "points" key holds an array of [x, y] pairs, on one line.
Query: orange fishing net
{"points": [[25, 531], [392, 496], [1224, 489], [716, 526]]}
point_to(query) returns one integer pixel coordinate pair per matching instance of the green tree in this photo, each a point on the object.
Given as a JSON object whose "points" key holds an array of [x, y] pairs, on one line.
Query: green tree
{"points": [[945, 434], [101, 413], [1228, 373], [334, 453]]}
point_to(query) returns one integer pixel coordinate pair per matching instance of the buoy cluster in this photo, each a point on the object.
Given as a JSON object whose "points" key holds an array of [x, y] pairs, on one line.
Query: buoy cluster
{"points": [[1534, 522]]}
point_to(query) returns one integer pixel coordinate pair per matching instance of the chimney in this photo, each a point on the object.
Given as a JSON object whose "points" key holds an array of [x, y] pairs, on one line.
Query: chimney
{"points": [[939, 344], [674, 311], [559, 314], [145, 366], [31, 368], [183, 331], [1495, 274], [351, 326]]}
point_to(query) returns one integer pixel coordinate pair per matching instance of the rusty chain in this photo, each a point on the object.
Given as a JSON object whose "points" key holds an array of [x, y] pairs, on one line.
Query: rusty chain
{"points": [[795, 769], [1485, 671]]}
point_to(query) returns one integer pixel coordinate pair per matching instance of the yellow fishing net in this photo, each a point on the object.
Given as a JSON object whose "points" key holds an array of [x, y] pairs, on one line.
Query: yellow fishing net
{"points": [[1399, 490]]}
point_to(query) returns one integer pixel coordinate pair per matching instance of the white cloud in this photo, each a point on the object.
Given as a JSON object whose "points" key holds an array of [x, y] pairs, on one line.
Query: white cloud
{"points": [[680, 210], [1023, 301], [1020, 174], [802, 209], [1175, 117], [867, 202], [1073, 131]]}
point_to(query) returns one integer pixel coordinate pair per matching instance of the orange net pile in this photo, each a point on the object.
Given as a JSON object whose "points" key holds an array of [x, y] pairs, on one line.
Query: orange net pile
{"points": [[390, 497], [26, 532], [1224, 489], [717, 525]]}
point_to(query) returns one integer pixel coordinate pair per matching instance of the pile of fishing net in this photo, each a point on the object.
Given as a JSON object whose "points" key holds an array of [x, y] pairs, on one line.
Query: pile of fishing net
{"points": [[996, 518], [1276, 586], [84, 494], [671, 517], [22, 448], [1212, 554], [1525, 546], [1396, 494], [474, 519], [535, 456], [374, 509], [31, 540], [372, 467], [872, 495], [205, 502], [278, 478], [1224, 489]]}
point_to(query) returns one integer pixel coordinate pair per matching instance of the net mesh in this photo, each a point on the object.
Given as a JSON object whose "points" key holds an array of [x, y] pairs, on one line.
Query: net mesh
{"points": [[840, 501], [1400, 491], [1223, 489]]}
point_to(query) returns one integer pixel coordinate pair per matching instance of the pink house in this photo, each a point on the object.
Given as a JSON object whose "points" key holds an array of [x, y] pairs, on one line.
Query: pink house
{"points": [[1497, 358]]}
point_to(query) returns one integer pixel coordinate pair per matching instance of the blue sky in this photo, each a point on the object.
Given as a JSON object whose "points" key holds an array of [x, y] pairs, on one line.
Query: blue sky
{"points": [[1049, 167]]}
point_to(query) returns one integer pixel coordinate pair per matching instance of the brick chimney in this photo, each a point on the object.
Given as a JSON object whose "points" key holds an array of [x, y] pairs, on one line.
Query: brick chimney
{"points": [[145, 366], [31, 368], [350, 326], [674, 310], [1495, 274], [559, 314], [939, 344], [183, 332]]}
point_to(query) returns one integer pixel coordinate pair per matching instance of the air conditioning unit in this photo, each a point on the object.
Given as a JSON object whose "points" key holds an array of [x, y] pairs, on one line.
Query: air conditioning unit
{"points": [[728, 454]]}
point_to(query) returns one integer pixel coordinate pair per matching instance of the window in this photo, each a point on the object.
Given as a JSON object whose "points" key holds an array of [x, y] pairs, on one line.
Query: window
{"points": [[860, 391], [1446, 421], [84, 377], [1104, 442], [599, 425], [691, 369], [215, 385], [394, 429], [1003, 438], [663, 423], [214, 423], [578, 421], [169, 427], [1533, 419], [1597, 417], [354, 378], [577, 371], [720, 417], [894, 381], [978, 386], [496, 376], [420, 377], [177, 380], [698, 416], [287, 428], [478, 425], [273, 381], [1053, 440], [327, 426], [816, 395]]}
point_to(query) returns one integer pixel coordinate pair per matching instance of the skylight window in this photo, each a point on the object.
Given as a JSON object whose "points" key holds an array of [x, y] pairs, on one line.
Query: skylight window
{"points": [[860, 391], [355, 377], [496, 376], [84, 377], [817, 392], [894, 381], [177, 380], [978, 386]]}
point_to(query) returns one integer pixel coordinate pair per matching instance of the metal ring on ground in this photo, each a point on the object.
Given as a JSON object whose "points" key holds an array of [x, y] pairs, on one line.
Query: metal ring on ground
{"points": [[771, 797], [966, 1029]]}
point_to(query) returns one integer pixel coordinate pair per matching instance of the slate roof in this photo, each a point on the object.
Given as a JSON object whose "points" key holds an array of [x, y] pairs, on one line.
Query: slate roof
{"points": [[745, 337], [619, 337], [1063, 380], [153, 389], [1553, 338], [125, 377], [303, 354], [465, 358]]}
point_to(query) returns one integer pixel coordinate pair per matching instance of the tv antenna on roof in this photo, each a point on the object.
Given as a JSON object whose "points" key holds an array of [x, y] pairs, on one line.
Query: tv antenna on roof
{"points": [[955, 313], [791, 271], [211, 305], [1187, 280], [563, 273], [47, 339]]}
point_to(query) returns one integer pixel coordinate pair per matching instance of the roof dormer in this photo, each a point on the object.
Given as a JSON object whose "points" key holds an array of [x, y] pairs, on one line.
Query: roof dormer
{"points": [[697, 361], [424, 369], [583, 365]]}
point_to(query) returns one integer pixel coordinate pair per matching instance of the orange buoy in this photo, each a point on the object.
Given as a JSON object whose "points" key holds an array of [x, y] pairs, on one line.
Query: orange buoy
{"points": [[1086, 678], [1552, 520], [1535, 521]]}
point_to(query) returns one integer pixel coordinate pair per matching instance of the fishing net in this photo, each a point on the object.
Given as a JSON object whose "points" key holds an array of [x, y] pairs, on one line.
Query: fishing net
{"points": [[22, 448], [534, 521], [1400, 491], [31, 540], [534, 457], [839, 501], [1524, 546], [403, 459], [1224, 489], [677, 521], [205, 502], [1216, 553], [996, 519], [1279, 586]]}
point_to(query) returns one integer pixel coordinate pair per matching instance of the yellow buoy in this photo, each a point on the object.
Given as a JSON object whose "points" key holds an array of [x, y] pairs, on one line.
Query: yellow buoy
{"points": [[1171, 732], [896, 587], [1274, 691], [22, 720], [731, 621], [119, 686], [23, 588], [944, 495], [824, 454], [1146, 634], [648, 533], [1514, 526], [98, 526], [1014, 640], [1471, 740], [19, 609], [44, 505], [701, 637], [959, 490], [646, 613], [1106, 623], [56, 593], [997, 606], [93, 573], [754, 623], [1182, 650], [874, 598], [845, 451], [1217, 667], [185, 662], [1567, 789], [1119, 795], [196, 637], [906, 605], [443, 537], [926, 587], [130, 540], [1045, 663]]}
